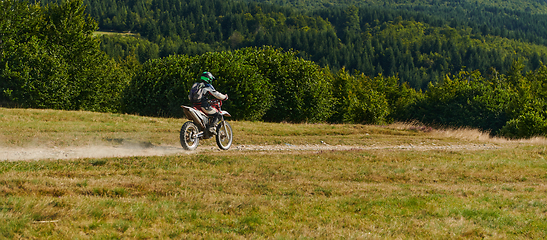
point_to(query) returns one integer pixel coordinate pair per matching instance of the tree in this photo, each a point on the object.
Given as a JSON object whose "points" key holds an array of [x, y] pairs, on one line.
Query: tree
{"points": [[56, 62]]}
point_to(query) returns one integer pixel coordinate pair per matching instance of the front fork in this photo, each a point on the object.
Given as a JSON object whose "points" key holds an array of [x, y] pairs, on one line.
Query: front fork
{"points": [[224, 125]]}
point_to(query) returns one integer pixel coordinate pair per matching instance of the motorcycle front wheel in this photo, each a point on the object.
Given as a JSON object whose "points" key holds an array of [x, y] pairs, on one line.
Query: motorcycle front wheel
{"points": [[189, 136], [224, 135]]}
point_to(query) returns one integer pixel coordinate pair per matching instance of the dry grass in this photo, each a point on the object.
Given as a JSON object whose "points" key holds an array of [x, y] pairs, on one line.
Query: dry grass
{"points": [[377, 193], [465, 134]]}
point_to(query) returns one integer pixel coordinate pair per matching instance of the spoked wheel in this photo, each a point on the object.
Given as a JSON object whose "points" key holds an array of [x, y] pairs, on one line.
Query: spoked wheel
{"points": [[224, 135], [189, 136]]}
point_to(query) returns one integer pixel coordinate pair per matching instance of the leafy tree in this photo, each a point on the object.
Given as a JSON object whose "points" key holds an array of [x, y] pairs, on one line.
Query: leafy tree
{"points": [[50, 59], [358, 101], [529, 124]]}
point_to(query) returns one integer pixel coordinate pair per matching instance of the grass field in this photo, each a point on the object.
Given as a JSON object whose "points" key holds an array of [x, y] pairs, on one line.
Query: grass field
{"points": [[387, 192]]}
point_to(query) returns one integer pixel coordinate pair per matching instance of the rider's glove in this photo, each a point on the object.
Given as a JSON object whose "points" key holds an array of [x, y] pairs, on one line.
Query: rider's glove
{"points": [[226, 97]]}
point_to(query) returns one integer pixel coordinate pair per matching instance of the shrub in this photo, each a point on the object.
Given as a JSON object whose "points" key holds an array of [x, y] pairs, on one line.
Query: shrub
{"points": [[301, 89], [262, 84], [362, 99], [527, 125], [465, 100], [163, 84]]}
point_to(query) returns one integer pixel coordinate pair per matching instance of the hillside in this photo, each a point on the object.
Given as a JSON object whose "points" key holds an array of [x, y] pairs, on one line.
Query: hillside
{"points": [[338, 35], [531, 6], [371, 65]]}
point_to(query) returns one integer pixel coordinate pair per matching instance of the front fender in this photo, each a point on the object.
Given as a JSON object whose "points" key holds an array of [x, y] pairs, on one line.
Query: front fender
{"points": [[224, 113]]}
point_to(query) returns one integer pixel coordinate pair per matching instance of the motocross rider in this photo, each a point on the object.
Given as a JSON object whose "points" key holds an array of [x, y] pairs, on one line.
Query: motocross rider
{"points": [[198, 95]]}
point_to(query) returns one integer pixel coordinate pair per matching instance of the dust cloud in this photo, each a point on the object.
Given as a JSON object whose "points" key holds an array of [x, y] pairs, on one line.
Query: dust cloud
{"points": [[38, 153]]}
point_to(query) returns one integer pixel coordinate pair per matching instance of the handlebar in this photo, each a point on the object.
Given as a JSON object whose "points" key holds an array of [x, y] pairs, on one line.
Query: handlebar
{"points": [[215, 103]]}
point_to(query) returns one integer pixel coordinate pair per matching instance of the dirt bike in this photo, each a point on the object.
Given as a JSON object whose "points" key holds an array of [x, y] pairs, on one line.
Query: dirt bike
{"points": [[196, 129]]}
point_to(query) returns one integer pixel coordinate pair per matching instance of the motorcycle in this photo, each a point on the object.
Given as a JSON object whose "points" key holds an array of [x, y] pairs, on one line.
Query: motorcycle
{"points": [[196, 129]]}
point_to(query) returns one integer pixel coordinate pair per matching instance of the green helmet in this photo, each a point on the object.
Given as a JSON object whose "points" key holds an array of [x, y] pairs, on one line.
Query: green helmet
{"points": [[207, 77]]}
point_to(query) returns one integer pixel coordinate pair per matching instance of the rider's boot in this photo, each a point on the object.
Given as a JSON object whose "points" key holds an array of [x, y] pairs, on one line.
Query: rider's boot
{"points": [[212, 130], [212, 126]]}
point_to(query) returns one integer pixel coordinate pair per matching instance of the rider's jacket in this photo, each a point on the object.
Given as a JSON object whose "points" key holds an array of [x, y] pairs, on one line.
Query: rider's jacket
{"points": [[200, 91]]}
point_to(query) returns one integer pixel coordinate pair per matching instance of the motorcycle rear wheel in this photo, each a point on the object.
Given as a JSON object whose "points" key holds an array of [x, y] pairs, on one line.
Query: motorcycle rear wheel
{"points": [[189, 139], [224, 135]]}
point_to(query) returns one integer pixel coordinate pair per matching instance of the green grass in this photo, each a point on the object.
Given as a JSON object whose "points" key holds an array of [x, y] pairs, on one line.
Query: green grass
{"points": [[373, 194]]}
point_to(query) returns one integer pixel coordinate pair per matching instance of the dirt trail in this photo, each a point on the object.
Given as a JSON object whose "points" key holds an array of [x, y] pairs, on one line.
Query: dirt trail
{"points": [[37, 153]]}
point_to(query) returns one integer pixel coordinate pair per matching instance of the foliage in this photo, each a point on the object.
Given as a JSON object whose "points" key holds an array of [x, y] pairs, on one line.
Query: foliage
{"points": [[119, 47], [529, 124], [418, 41], [50, 59], [530, 6], [528, 108], [465, 100], [362, 99], [358, 101], [511, 105], [301, 89], [254, 79], [162, 85]]}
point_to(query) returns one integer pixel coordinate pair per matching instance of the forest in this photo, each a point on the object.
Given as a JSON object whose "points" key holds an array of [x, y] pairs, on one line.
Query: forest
{"points": [[419, 43], [443, 63]]}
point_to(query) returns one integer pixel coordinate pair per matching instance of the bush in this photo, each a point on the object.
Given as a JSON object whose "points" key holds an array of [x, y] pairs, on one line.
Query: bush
{"points": [[33, 77], [362, 99], [162, 85], [358, 101], [253, 78], [466, 100], [301, 89], [529, 124], [528, 106]]}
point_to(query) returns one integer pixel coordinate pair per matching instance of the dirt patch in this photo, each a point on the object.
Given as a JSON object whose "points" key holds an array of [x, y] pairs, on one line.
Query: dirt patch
{"points": [[128, 150]]}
